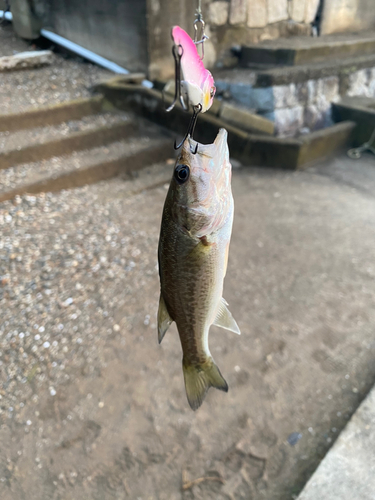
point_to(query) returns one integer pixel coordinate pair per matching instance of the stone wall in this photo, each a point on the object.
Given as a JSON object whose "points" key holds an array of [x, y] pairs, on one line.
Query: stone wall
{"points": [[261, 13], [339, 16], [300, 107], [237, 22], [229, 23]]}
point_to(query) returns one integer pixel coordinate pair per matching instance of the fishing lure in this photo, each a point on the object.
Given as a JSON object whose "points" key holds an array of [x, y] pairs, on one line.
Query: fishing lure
{"points": [[196, 84]]}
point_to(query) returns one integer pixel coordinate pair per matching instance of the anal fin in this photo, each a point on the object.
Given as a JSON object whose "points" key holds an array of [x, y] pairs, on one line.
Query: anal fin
{"points": [[224, 318], [164, 320]]}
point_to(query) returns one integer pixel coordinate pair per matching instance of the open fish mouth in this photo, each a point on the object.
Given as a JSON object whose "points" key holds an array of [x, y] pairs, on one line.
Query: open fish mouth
{"points": [[209, 150]]}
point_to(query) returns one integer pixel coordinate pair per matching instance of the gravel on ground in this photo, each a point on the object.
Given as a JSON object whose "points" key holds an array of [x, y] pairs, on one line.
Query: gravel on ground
{"points": [[92, 407], [66, 79]]}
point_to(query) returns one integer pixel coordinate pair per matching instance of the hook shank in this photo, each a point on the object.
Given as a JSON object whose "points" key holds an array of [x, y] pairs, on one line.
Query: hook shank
{"points": [[190, 130], [178, 52]]}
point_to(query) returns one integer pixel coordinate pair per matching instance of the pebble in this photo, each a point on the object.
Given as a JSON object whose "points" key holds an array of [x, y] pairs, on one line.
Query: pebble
{"points": [[293, 438], [46, 338], [24, 89]]}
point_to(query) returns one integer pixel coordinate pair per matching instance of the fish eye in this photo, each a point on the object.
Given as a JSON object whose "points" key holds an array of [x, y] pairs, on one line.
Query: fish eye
{"points": [[181, 173], [212, 91]]}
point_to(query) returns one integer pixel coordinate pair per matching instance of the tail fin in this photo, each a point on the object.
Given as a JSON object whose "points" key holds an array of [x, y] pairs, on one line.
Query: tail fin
{"points": [[199, 378]]}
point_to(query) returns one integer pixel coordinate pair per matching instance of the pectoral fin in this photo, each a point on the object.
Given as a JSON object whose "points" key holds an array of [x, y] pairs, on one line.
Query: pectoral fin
{"points": [[224, 318], [164, 320]]}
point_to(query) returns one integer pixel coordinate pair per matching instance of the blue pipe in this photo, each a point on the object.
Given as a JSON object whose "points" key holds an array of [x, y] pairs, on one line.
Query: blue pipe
{"points": [[89, 55]]}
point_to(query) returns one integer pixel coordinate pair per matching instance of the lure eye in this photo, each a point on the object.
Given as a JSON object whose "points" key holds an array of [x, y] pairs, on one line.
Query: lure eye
{"points": [[181, 173], [212, 92]]}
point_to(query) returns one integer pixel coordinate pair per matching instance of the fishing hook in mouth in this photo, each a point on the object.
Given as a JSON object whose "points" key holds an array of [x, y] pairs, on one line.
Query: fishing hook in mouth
{"points": [[195, 150], [190, 130], [178, 52]]}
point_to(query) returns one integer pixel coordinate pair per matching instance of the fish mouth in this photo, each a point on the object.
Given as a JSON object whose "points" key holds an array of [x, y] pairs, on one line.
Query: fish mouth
{"points": [[209, 150], [221, 138]]}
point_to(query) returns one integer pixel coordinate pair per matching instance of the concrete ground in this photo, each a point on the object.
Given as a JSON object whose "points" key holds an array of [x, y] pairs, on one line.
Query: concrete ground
{"points": [[348, 470], [92, 408]]}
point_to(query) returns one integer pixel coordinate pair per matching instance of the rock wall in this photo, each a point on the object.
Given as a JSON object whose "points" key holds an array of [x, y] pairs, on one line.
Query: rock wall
{"points": [[229, 23], [300, 107], [347, 15], [237, 22]]}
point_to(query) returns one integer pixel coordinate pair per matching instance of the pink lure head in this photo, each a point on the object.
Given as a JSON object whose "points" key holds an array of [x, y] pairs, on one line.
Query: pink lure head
{"points": [[198, 82]]}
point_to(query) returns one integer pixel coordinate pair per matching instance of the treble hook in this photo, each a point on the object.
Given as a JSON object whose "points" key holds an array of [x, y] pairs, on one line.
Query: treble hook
{"points": [[190, 130], [177, 51]]}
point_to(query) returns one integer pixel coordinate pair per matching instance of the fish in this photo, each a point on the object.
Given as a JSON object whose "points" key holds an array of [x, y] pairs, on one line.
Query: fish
{"points": [[193, 251], [198, 84]]}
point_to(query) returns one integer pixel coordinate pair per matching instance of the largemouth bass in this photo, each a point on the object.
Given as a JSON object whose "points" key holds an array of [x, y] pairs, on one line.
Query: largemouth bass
{"points": [[193, 254]]}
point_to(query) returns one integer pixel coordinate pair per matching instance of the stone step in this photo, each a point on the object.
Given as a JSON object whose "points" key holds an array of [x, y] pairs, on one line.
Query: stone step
{"points": [[285, 75], [241, 117], [41, 143], [87, 167], [306, 50], [51, 115], [248, 148], [246, 120], [298, 98], [361, 110], [342, 68]]}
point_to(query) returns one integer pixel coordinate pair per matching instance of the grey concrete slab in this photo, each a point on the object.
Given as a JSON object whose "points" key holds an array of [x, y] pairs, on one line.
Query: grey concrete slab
{"points": [[348, 470], [356, 174]]}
